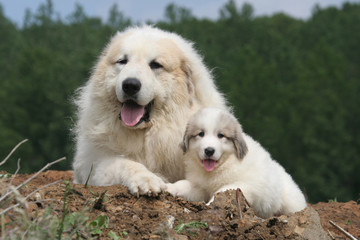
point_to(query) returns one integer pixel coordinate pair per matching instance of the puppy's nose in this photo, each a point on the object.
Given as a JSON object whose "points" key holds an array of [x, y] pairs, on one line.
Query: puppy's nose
{"points": [[209, 151], [131, 86]]}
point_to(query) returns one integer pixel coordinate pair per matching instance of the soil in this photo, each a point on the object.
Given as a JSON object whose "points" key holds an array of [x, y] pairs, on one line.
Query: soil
{"points": [[157, 217]]}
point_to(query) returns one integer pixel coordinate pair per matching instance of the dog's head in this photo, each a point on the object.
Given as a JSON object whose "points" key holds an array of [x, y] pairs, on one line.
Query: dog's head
{"points": [[211, 136], [146, 72]]}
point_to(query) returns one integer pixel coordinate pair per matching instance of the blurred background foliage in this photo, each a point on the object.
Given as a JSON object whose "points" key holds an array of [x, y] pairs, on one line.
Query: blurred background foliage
{"points": [[294, 84]]}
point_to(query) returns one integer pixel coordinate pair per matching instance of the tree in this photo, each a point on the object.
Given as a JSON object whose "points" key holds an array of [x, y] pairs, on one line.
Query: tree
{"points": [[175, 14], [117, 20], [230, 11]]}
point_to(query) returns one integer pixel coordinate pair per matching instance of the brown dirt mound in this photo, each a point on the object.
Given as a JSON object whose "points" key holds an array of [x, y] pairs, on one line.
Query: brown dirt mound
{"points": [[156, 217]]}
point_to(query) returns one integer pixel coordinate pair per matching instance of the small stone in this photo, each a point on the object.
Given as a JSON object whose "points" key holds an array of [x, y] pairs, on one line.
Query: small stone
{"points": [[170, 221], [38, 196], [299, 230], [186, 210]]}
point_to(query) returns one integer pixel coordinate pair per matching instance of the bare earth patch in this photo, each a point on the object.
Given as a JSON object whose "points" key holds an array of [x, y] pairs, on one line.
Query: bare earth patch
{"points": [[166, 217]]}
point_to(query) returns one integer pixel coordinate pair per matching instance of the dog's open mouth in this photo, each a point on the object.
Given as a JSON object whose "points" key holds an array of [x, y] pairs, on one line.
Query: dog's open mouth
{"points": [[132, 114], [209, 164]]}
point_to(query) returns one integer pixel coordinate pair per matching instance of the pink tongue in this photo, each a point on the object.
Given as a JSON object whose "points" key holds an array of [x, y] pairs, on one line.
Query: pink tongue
{"points": [[209, 164], [131, 113]]}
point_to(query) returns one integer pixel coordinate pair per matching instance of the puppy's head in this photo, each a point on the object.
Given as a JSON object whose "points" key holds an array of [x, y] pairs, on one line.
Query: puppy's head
{"points": [[211, 136]]}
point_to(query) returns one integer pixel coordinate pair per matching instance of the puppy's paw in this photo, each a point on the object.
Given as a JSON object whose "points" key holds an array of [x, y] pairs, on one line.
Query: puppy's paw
{"points": [[172, 189], [181, 188], [146, 184]]}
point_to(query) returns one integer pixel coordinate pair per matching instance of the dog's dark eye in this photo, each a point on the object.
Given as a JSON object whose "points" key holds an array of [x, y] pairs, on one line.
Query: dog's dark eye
{"points": [[122, 61], [155, 65], [201, 134], [220, 135]]}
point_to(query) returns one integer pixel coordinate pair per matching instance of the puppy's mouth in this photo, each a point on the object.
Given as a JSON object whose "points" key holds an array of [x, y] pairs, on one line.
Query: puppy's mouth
{"points": [[209, 164], [132, 114]]}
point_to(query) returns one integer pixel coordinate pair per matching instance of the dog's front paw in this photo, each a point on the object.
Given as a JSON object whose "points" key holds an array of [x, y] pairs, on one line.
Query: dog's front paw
{"points": [[146, 184]]}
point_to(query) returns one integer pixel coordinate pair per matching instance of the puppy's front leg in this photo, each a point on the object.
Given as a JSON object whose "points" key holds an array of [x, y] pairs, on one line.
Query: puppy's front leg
{"points": [[187, 190]]}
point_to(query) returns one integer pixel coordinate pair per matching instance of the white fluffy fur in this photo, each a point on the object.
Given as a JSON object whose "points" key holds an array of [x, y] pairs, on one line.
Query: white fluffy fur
{"points": [[142, 157], [241, 163]]}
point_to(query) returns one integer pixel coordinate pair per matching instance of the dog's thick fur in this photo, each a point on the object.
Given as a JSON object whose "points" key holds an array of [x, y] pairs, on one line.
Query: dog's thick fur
{"points": [[219, 156], [168, 83]]}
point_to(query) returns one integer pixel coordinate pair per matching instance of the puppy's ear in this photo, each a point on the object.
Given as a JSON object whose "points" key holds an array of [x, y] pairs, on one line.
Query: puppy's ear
{"points": [[239, 142], [189, 133], [185, 143]]}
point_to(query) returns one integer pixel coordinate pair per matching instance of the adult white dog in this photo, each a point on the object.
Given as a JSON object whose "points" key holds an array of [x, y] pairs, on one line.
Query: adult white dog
{"points": [[133, 111], [219, 156]]}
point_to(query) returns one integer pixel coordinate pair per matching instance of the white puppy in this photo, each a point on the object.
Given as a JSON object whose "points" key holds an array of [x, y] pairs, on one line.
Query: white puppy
{"points": [[133, 111], [219, 156]]}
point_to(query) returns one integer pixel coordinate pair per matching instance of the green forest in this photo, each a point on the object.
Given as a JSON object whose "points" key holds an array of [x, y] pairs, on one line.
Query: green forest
{"points": [[294, 84]]}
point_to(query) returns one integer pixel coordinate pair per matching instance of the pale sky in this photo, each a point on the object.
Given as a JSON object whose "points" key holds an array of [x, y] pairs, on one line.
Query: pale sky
{"points": [[142, 10]]}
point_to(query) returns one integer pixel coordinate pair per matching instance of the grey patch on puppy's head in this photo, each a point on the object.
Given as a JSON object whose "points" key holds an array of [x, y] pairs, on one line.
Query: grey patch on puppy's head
{"points": [[233, 130], [239, 142], [190, 128], [184, 145]]}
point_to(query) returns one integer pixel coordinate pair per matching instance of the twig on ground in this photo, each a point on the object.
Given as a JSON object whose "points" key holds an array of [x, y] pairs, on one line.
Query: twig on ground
{"points": [[34, 176], [332, 237], [12, 151], [342, 230], [16, 172], [238, 202], [87, 180]]}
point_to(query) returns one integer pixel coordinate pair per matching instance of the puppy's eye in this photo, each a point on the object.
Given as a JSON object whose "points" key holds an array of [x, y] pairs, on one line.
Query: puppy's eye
{"points": [[220, 135], [201, 134], [155, 65], [122, 61]]}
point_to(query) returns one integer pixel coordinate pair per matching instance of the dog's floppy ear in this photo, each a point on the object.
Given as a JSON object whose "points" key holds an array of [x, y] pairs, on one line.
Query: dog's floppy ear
{"points": [[239, 142], [185, 67]]}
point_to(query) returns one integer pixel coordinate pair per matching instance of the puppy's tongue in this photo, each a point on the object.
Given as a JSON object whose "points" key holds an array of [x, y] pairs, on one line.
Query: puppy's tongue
{"points": [[209, 164], [131, 113]]}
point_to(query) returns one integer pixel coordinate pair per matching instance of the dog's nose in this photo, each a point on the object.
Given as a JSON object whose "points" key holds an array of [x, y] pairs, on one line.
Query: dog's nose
{"points": [[131, 86], [209, 151]]}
